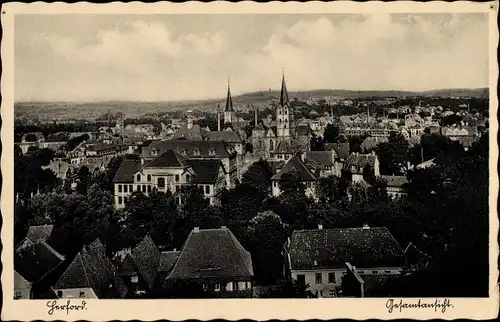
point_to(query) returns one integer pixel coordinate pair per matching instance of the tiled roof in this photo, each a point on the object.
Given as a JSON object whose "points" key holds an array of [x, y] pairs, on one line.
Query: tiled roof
{"points": [[20, 282], [360, 160], [168, 159], [414, 255], [125, 172], [371, 142], [127, 266], [283, 147], [35, 260], [296, 165], [227, 136], [331, 248], [206, 171], [167, 261], [342, 149], [319, 159], [212, 253], [101, 147], [92, 269], [39, 233], [146, 257], [395, 181], [192, 148], [259, 127], [194, 133], [302, 129]]}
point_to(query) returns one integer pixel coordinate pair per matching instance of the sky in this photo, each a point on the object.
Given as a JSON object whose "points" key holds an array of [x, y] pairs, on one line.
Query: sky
{"points": [[178, 57]]}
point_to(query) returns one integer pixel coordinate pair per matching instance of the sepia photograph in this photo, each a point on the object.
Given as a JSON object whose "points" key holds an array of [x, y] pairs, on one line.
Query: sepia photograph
{"points": [[200, 155]]}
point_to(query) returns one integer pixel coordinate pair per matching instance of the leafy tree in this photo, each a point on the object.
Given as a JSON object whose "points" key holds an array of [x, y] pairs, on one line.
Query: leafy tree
{"points": [[331, 134], [259, 175], [317, 143], [328, 189], [286, 289], [451, 120], [31, 137], [267, 238], [393, 155], [43, 157]]}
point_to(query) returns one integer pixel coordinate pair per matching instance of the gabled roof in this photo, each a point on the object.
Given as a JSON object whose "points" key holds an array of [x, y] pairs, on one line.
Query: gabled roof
{"points": [[206, 171], [342, 149], [372, 142], [39, 233], [92, 269], [360, 160], [193, 149], [167, 261], [146, 257], [126, 170], [20, 282], [395, 181], [296, 165], [35, 260], [194, 133], [168, 159], [212, 253], [414, 255], [319, 159], [283, 147], [259, 127], [227, 136], [331, 248]]}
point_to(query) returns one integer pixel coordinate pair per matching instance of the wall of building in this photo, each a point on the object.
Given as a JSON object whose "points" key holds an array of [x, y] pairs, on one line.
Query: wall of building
{"points": [[76, 293], [22, 293]]}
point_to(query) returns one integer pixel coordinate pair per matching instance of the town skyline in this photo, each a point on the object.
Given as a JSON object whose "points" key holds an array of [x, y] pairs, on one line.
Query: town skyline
{"points": [[190, 57]]}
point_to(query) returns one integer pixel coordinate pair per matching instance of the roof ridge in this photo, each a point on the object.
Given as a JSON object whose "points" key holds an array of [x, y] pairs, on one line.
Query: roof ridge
{"points": [[52, 250], [181, 252], [238, 245], [79, 257]]}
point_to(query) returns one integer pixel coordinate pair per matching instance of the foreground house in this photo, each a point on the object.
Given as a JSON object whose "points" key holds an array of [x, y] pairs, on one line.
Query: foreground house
{"points": [[215, 259], [318, 257], [90, 275], [356, 163]]}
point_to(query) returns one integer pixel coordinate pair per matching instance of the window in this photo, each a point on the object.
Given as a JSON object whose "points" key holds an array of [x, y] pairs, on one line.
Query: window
{"points": [[82, 294], [271, 145], [374, 272], [134, 279], [125, 188], [17, 295], [144, 188], [120, 200], [211, 151], [217, 287], [149, 189], [149, 177], [319, 278], [130, 188], [301, 279], [235, 286], [331, 277], [176, 178], [59, 294], [207, 189], [331, 293], [138, 177], [196, 152], [388, 272], [161, 182], [119, 188]]}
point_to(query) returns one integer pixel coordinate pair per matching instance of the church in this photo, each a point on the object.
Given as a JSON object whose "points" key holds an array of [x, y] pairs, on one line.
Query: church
{"points": [[282, 141]]}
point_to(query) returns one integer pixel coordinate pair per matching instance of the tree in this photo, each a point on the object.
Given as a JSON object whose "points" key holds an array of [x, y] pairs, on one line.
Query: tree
{"points": [[328, 189], [43, 157], [286, 289], [267, 236], [317, 143], [393, 155], [259, 175], [331, 134], [31, 137]]}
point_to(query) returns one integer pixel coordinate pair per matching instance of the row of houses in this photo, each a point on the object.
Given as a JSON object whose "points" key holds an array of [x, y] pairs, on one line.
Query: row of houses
{"points": [[214, 260]]}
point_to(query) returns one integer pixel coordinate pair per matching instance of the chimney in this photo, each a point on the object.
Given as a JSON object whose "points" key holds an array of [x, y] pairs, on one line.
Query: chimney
{"points": [[175, 249], [196, 229], [256, 120], [320, 226], [223, 227], [365, 226], [218, 118]]}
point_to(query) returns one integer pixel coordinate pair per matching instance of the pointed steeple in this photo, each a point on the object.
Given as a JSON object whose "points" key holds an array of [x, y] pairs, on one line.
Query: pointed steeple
{"points": [[229, 100], [284, 92]]}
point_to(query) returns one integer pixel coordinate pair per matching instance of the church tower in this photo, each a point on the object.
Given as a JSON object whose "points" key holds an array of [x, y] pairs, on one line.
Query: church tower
{"points": [[284, 115], [229, 113]]}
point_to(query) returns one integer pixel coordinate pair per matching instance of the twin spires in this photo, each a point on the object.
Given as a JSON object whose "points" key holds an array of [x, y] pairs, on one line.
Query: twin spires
{"points": [[229, 100], [284, 93]]}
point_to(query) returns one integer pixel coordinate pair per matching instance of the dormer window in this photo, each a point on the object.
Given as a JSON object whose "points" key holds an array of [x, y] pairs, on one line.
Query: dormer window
{"points": [[154, 152], [196, 152], [211, 151], [138, 177]]}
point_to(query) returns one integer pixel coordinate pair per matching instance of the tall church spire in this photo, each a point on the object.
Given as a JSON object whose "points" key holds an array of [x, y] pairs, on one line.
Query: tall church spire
{"points": [[284, 92], [229, 100]]}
